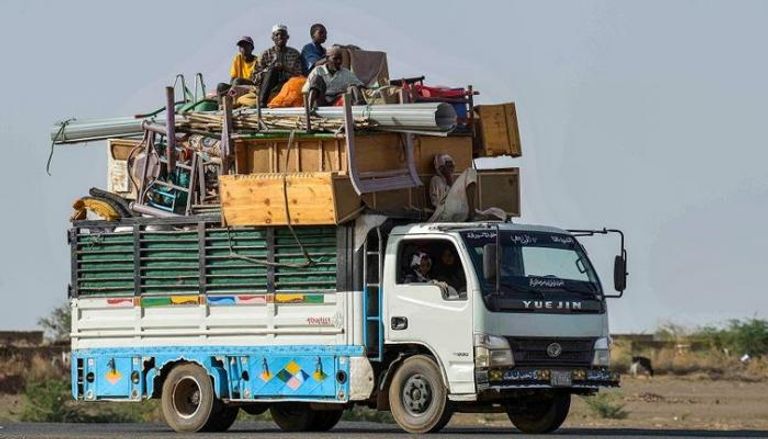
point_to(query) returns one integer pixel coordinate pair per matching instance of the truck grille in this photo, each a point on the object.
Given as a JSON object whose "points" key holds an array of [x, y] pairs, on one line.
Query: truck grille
{"points": [[533, 351]]}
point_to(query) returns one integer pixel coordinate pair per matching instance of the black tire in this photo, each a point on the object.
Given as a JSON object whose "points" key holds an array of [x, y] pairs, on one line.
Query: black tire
{"points": [[326, 419], [293, 417], [543, 416], [121, 202], [417, 396], [222, 419], [188, 399], [255, 409]]}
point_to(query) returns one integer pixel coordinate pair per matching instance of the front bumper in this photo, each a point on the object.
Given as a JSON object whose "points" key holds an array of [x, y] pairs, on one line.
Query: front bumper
{"points": [[544, 378]]}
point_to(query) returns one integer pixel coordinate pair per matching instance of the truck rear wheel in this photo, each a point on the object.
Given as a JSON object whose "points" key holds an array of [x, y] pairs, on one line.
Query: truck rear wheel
{"points": [[326, 419], [543, 416], [188, 398], [417, 396], [293, 417]]}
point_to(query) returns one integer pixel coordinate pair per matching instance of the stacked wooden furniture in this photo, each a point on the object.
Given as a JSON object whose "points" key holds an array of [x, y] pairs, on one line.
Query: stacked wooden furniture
{"points": [[304, 179]]}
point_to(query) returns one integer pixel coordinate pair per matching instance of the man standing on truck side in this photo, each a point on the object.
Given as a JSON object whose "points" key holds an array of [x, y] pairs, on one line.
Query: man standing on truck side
{"points": [[313, 52], [277, 64], [331, 80], [442, 180]]}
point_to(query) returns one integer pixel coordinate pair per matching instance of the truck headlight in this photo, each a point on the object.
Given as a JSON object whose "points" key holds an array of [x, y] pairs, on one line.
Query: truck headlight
{"points": [[602, 355], [492, 351]]}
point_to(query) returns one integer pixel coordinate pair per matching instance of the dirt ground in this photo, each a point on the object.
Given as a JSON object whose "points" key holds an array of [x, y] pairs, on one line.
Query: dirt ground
{"points": [[687, 402]]}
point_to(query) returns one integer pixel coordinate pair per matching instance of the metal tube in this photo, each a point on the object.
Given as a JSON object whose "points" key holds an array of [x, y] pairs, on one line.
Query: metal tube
{"points": [[170, 126], [151, 211], [427, 116]]}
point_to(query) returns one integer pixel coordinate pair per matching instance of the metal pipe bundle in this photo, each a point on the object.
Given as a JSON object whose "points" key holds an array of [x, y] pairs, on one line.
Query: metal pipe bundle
{"points": [[97, 129], [422, 117], [429, 116]]}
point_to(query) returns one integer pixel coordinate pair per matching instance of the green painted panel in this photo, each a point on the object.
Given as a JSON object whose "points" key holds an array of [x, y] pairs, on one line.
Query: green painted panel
{"points": [[148, 302]]}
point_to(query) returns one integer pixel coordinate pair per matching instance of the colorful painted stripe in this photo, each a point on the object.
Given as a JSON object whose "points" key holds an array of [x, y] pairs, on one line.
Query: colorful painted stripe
{"points": [[120, 302], [148, 302]]}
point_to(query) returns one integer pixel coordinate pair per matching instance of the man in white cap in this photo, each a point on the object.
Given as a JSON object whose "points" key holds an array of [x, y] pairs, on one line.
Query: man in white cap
{"points": [[277, 64]]}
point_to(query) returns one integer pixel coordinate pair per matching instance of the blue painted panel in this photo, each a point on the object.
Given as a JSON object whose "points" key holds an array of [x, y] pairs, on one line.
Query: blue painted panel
{"points": [[238, 372], [296, 376]]}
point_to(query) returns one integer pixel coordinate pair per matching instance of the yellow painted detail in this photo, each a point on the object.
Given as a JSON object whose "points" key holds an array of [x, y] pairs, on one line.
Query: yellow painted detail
{"points": [[293, 367], [184, 300], [289, 298]]}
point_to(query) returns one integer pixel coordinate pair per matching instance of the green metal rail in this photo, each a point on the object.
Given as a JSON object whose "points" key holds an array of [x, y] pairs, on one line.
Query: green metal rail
{"points": [[200, 259]]}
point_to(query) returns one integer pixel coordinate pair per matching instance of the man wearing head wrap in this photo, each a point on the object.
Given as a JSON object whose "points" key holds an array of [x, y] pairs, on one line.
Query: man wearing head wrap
{"points": [[277, 64], [421, 263], [442, 180]]}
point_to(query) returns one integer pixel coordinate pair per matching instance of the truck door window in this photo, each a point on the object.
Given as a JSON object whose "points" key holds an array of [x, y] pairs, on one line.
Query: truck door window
{"points": [[433, 261]]}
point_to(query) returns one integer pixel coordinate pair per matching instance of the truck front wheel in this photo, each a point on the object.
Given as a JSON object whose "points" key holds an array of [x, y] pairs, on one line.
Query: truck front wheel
{"points": [[543, 416], [188, 398], [417, 396]]}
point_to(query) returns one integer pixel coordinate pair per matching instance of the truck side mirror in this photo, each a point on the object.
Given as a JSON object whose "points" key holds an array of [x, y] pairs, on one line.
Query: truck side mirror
{"points": [[620, 273], [489, 261]]}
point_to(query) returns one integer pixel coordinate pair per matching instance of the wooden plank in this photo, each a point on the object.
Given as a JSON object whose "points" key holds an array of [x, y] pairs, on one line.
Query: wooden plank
{"points": [[499, 131], [458, 147]]}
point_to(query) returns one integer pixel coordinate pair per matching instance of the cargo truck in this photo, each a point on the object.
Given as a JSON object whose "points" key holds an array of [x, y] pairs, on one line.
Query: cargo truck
{"points": [[308, 321]]}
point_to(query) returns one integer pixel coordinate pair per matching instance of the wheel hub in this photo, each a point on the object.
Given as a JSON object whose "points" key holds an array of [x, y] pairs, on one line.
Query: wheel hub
{"points": [[186, 397], [417, 395]]}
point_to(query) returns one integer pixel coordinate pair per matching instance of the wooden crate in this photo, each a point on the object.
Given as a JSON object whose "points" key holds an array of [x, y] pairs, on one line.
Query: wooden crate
{"points": [[495, 188], [499, 188], [374, 152], [313, 199], [498, 130], [307, 154]]}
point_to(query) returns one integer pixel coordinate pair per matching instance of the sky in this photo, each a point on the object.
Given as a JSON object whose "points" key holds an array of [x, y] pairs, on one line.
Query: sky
{"points": [[647, 116]]}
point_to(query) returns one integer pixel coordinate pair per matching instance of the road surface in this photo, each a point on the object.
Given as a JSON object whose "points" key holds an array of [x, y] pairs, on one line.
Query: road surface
{"points": [[255, 430]]}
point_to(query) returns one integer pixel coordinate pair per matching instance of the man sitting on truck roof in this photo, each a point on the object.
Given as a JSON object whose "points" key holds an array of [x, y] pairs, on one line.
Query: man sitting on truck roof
{"points": [[243, 66], [312, 53], [277, 64], [331, 80]]}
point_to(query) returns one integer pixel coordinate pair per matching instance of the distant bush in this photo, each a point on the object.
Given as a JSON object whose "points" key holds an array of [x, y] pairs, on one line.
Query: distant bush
{"points": [[748, 336], [606, 406], [50, 400], [58, 323]]}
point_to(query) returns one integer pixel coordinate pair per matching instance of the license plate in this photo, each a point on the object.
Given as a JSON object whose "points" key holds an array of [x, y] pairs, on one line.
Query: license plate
{"points": [[561, 378]]}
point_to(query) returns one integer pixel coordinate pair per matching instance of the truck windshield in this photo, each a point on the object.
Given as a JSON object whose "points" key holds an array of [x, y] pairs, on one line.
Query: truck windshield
{"points": [[533, 263]]}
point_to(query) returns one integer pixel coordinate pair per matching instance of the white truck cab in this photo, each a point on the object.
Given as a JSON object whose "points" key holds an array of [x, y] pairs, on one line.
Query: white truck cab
{"points": [[511, 314]]}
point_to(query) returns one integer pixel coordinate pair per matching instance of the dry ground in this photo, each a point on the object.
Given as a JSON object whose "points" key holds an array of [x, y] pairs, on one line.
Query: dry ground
{"points": [[672, 402]]}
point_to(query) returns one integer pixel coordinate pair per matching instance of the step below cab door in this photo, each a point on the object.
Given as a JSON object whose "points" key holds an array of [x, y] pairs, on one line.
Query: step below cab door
{"points": [[430, 307]]}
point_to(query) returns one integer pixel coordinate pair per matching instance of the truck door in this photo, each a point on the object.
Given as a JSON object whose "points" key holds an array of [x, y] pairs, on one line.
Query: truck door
{"points": [[429, 305]]}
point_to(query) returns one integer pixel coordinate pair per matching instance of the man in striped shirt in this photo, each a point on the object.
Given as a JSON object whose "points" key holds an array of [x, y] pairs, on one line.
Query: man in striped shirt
{"points": [[277, 64]]}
